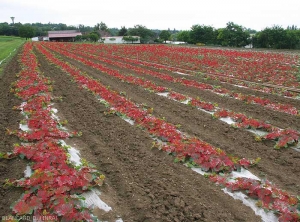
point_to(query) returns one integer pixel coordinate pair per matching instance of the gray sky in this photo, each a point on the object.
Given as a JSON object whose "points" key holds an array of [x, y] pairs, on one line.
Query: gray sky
{"points": [[160, 14]]}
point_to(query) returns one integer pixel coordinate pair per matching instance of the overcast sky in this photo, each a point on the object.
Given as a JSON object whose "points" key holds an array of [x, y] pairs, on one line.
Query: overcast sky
{"points": [[160, 14]]}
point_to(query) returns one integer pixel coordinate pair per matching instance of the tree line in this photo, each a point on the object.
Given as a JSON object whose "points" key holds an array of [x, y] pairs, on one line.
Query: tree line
{"points": [[232, 35], [237, 36]]}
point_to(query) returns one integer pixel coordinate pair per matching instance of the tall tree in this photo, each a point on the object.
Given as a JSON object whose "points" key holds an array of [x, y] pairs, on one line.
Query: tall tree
{"points": [[93, 36], [164, 35], [26, 31], [103, 26], [5, 29], [183, 36], [62, 26], [84, 29], [97, 27], [102, 29], [122, 31], [293, 39], [113, 31], [139, 30], [278, 38], [233, 35], [202, 34]]}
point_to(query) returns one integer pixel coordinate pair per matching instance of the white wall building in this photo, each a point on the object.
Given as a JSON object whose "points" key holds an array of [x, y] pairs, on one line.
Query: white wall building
{"points": [[35, 39], [118, 40], [175, 42], [40, 38]]}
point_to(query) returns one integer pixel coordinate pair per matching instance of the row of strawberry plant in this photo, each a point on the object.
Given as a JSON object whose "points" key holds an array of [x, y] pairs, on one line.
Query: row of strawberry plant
{"points": [[207, 156], [286, 108], [184, 147], [214, 76], [269, 197], [260, 87], [54, 188], [284, 138], [275, 68]]}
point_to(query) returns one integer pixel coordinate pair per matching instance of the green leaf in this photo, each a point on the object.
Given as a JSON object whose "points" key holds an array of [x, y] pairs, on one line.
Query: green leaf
{"points": [[176, 160], [21, 156]]}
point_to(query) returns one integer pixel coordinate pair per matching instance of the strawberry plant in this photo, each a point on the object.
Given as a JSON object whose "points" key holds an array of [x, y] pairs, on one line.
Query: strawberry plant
{"points": [[269, 196], [204, 154], [55, 186], [286, 108], [191, 150]]}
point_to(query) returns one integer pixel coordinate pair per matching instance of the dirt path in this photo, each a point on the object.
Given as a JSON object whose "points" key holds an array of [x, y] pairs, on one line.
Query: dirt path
{"points": [[143, 184], [9, 119]]}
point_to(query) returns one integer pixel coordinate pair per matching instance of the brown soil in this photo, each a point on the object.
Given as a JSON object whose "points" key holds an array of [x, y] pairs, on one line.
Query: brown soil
{"points": [[279, 166], [9, 119], [274, 98], [279, 119], [196, 77], [142, 184]]}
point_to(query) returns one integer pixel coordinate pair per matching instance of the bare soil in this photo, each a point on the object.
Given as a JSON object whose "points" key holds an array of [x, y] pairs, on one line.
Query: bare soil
{"points": [[279, 166], [144, 184], [9, 119]]}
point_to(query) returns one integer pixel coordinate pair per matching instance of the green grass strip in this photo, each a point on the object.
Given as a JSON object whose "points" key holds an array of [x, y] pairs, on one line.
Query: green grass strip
{"points": [[8, 46]]}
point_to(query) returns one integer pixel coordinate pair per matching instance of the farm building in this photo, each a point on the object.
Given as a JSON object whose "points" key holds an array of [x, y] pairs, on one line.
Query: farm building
{"points": [[175, 42], [40, 38], [63, 36], [119, 40]]}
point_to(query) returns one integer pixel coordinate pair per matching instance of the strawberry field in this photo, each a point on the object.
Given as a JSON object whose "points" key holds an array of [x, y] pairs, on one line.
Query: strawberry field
{"points": [[149, 133]]}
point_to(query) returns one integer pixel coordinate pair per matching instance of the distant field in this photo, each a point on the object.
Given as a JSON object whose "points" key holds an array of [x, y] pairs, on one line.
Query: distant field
{"points": [[7, 46]]}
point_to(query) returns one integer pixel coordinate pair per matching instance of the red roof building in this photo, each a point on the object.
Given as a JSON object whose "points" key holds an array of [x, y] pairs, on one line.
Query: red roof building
{"points": [[63, 35]]}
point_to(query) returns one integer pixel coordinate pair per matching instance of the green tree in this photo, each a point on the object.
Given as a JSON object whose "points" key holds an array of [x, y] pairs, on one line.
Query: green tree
{"points": [[113, 31], [97, 27], [183, 36], [145, 34], [93, 37], [79, 38], [84, 29], [103, 26], [71, 27], [293, 38], [26, 31], [233, 35], [5, 29], [293, 27], [261, 39], [122, 31], [277, 38], [62, 26], [202, 34], [173, 37], [165, 35], [251, 31]]}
